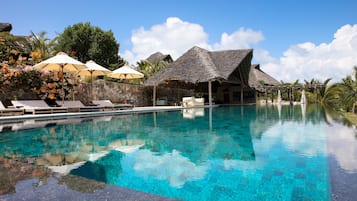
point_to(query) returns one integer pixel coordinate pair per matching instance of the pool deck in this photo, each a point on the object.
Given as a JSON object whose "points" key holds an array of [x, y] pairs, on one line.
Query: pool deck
{"points": [[87, 114]]}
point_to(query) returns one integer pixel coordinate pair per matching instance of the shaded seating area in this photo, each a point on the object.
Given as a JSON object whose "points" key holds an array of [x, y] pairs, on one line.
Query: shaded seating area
{"points": [[9, 111], [108, 105], [78, 106], [225, 76], [37, 107]]}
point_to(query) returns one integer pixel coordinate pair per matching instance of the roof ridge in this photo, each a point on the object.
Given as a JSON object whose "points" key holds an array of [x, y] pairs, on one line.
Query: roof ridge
{"points": [[206, 58]]}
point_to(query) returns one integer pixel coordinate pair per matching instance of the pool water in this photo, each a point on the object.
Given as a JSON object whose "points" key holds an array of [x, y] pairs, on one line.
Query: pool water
{"points": [[222, 153]]}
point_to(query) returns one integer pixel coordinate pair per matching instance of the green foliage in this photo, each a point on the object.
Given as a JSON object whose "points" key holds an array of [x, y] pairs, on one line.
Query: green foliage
{"points": [[261, 82], [333, 97], [292, 92], [150, 69], [343, 96], [43, 45], [316, 90], [86, 42]]}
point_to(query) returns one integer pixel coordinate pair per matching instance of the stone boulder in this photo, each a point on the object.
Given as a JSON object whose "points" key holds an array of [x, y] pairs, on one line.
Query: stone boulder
{"points": [[5, 27]]}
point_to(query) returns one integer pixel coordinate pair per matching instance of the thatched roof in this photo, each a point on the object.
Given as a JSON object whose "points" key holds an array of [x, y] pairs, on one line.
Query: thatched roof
{"points": [[158, 57], [199, 65], [258, 79]]}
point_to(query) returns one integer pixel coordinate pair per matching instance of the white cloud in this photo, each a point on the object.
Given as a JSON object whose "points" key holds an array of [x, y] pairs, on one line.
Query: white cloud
{"points": [[306, 61], [173, 37], [172, 167], [240, 39], [341, 142]]}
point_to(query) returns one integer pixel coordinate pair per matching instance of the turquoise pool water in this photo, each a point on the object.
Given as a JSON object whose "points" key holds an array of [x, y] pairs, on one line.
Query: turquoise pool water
{"points": [[223, 153]]}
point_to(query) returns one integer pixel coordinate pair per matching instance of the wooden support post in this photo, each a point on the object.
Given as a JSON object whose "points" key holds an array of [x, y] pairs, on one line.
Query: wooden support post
{"points": [[154, 96], [210, 93], [241, 94]]}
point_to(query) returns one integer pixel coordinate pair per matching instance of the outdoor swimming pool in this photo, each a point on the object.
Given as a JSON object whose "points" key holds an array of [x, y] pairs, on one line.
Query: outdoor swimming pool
{"points": [[223, 153]]}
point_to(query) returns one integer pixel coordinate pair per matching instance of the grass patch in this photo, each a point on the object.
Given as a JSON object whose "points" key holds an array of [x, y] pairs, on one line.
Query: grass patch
{"points": [[350, 117]]}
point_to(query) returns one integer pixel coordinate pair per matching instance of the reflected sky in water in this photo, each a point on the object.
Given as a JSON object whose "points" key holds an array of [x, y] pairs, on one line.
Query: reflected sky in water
{"points": [[224, 153]]}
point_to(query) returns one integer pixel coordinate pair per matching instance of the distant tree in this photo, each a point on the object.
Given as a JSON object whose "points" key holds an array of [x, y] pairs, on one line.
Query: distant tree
{"points": [[292, 89], [86, 42]]}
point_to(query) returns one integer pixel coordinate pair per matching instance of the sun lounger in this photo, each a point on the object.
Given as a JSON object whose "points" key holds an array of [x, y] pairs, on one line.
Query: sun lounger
{"points": [[108, 105], [6, 111], [37, 107], [78, 106]]}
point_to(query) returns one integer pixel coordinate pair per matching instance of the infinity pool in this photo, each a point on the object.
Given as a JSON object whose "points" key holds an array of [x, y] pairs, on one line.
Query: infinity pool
{"points": [[223, 153]]}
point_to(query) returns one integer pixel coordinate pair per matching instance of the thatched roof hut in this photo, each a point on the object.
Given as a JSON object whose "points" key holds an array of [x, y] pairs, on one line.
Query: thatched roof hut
{"points": [[159, 57], [199, 65], [220, 69], [259, 79]]}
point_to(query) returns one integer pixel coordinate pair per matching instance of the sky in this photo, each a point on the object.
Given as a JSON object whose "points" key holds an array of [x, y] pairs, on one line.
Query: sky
{"points": [[291, 39]]}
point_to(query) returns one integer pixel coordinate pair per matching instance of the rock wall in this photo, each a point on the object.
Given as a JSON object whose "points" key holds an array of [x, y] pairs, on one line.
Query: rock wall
{"points": [[121, 93], [116, 92]]}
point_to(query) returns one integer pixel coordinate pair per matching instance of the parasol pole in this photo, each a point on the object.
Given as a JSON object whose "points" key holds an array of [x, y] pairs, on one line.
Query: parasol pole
{"points": [[62, 66], [91, 84]]}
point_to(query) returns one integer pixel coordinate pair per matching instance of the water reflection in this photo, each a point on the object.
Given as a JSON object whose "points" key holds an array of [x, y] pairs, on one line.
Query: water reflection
{"points": [[179, 148], [12, 171], [342, 142], [24, 172], [65, 147], [342, 145], [177, 169], [192, 113]]}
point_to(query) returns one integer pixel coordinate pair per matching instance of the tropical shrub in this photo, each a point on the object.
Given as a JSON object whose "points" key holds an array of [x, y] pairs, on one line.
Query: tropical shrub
{"points": [[342, 96]]}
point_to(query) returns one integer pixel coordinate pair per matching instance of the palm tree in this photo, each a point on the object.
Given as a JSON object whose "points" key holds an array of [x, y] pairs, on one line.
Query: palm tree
{"points": [[43, 45], [343, 96], [316, 89], [322, 89], [149, 69], [349, 86], [333, 97]]}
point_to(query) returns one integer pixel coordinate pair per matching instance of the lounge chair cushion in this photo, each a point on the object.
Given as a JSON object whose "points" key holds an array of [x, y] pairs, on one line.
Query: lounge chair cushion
{"points": [[4, 111], [78, 106], [37, 106], [109, 105]]}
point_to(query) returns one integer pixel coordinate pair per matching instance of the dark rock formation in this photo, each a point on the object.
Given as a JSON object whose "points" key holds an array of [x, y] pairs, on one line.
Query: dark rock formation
{"points": [[5, 27]]}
